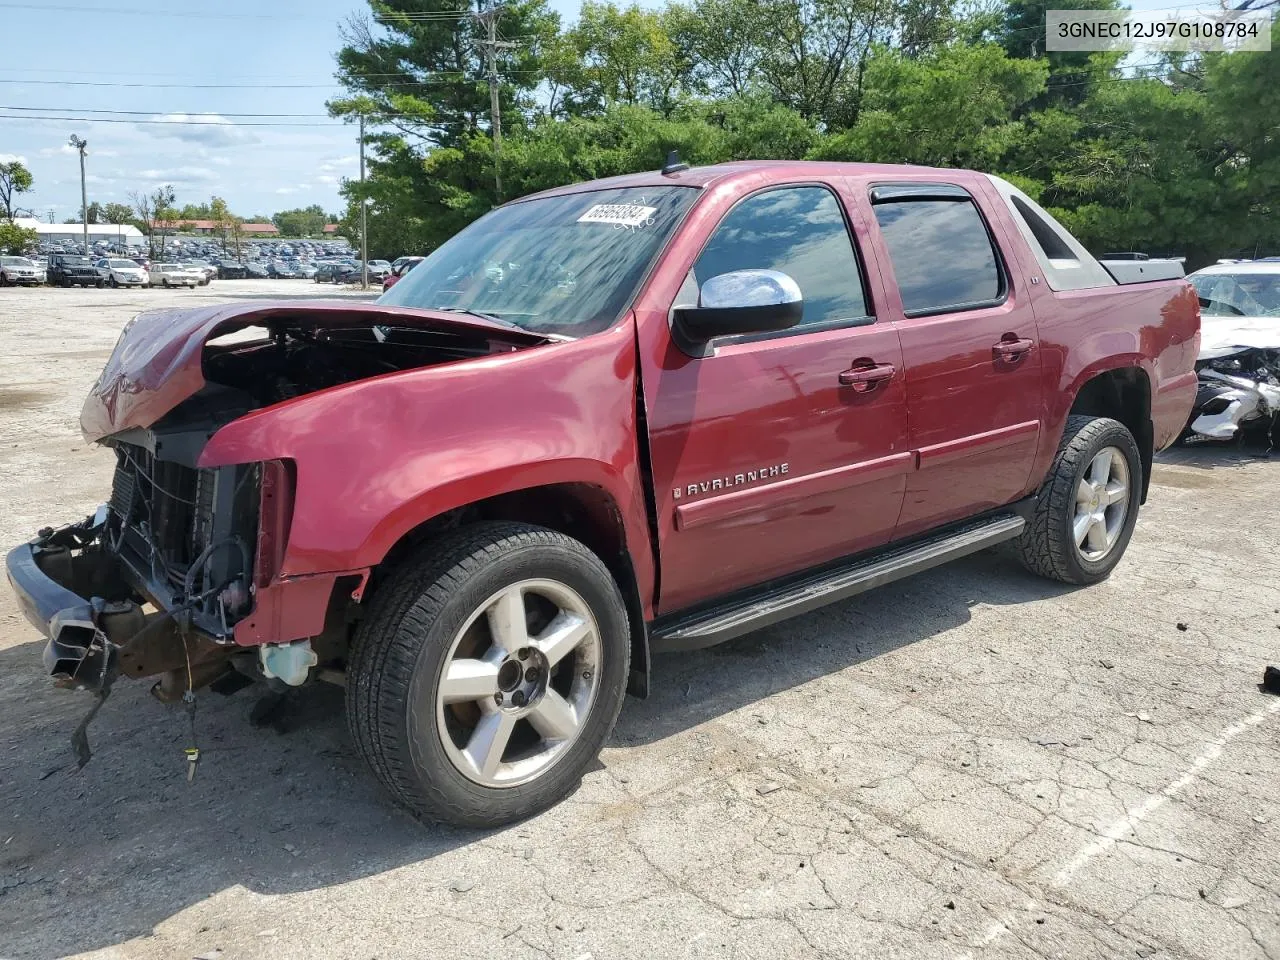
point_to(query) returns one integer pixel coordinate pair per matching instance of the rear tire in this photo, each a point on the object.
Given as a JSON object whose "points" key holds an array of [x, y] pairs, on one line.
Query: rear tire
{"points": [[1088, 506], [445, 611]]}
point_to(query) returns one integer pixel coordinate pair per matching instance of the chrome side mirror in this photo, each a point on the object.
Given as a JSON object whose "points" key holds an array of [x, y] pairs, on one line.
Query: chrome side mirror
{"points": [[741, 302]]}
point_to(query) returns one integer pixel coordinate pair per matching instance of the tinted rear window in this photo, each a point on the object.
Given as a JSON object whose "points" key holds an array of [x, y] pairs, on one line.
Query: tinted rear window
{"points": [[942, 255]]}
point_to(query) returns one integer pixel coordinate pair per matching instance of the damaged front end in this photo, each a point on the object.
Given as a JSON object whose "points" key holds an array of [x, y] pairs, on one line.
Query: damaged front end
{"points": [[1239, 392], [183, 575], [80, 594]]}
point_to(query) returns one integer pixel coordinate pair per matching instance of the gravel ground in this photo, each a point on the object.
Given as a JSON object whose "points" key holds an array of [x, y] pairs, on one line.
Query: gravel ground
{"points": [[971, 764]]}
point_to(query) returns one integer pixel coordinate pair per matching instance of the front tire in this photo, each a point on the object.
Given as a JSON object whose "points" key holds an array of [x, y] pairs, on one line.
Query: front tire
{"points": [[1088, 506], [489, 673]]}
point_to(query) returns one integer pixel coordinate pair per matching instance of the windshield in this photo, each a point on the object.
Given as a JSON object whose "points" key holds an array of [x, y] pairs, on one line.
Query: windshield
{"points": [[128, 264], [1238, 294], [75, 261], [567, 265], [16, 262]]}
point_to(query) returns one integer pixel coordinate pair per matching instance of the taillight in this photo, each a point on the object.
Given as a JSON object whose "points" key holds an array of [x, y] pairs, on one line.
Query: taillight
{"points": [[275, 511]]}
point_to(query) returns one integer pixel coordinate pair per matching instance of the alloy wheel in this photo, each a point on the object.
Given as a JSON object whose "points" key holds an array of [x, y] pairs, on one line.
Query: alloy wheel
{"points": [[518, 683], [1102, 503]]}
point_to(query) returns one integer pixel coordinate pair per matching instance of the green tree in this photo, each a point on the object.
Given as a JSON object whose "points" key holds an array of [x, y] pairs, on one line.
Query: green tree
{"points": [[722, 41], [1072, 74], [15, 239], [422, 66], [155, 215], [1178, 156], [302, 222], [15, 179], [951, 107], [194, 211], [628, 57], [227, 223], [115, 213]]}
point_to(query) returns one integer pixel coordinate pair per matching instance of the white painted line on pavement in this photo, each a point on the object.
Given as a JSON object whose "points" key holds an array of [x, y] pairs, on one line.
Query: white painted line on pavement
{"points": [[1114, 833]]}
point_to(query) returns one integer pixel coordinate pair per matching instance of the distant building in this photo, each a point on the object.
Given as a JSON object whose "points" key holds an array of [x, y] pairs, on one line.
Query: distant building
{"points": [[185, 226], [118, 234], [207, 227]]}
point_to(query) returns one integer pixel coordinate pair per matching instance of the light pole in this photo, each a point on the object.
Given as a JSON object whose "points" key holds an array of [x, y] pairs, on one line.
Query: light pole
{"points": [[80, 144], [364, 218]]}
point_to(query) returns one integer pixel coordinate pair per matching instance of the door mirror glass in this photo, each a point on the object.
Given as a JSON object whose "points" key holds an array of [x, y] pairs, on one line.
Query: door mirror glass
{"points": [[742, 302]]}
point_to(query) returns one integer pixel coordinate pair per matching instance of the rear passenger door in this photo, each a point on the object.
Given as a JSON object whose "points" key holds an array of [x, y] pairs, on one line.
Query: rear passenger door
{"points": [[970, 346]]}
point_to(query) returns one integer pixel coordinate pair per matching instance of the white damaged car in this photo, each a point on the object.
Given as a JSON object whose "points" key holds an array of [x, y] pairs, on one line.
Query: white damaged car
{"points": [[1239, 362]]}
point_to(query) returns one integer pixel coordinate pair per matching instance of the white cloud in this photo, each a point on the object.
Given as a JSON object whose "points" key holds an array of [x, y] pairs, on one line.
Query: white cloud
{"points": [[10, 157], [221, 161], [178, 175], [210, 129], [327, 179], [337, 164], [283, 191]]}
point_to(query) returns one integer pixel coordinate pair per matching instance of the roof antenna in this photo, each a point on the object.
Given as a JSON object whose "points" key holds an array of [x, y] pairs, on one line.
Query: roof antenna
{"points": [[673, 164]]}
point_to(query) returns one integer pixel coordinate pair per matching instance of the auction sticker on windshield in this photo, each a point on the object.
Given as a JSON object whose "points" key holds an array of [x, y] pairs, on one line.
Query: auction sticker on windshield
{"points": [[619, 214]]}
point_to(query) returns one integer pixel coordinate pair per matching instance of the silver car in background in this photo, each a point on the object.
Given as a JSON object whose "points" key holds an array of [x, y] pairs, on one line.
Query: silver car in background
{"points": [[20, 270]]}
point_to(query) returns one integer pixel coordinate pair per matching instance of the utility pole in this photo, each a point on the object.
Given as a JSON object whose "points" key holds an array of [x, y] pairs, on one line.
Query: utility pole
{"points": [[491, 46], [80, 144], [364, 218]]}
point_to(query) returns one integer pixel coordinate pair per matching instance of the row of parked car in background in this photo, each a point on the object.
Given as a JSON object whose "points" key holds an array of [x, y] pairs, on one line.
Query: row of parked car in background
{"points": [[122, 270]]}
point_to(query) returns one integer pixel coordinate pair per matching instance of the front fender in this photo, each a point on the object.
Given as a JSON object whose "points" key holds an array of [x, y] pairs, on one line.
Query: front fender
{"points": [[376, 458]]}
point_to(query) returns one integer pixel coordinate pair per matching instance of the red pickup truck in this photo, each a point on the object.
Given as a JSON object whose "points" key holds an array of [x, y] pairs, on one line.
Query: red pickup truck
{"points": [[639, 414]]}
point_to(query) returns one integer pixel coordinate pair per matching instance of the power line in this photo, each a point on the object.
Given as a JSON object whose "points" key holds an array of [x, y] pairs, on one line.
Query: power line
{"points": [[124, 11], [169, 123], [158, 113], [441, 77], [217, 118]]}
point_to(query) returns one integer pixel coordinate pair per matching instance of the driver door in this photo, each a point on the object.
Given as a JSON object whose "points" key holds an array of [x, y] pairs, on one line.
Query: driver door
{"points": [[767, 455]]}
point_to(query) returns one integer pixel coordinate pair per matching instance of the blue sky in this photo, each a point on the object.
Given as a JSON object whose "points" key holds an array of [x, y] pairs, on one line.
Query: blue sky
{"points": [[281, 51], [67, 57]]}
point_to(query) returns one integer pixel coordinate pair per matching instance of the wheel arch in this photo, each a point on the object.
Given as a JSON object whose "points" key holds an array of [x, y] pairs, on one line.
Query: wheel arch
{"points": [[585, 511], [1122, 393]]}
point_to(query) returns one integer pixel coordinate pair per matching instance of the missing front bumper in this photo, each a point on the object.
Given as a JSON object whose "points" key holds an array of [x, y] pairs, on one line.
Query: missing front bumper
{"points": [[78, 595]]}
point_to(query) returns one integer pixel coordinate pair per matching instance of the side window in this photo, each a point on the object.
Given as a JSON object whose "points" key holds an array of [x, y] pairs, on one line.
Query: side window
{"points": [[941, 253], [1052, 246], [801, 232]]}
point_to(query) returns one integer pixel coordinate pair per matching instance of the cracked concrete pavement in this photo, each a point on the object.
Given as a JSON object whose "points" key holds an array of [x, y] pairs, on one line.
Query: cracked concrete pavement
{"points": [[970, 764]]}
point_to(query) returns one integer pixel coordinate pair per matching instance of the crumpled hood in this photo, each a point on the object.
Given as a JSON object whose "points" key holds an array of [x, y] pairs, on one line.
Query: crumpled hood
{"points": [[1223, 336], [156, 363]]}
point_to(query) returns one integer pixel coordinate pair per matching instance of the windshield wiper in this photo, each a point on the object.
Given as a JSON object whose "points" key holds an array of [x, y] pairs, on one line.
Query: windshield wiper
{"points": [[493, 318], [483, 316]]}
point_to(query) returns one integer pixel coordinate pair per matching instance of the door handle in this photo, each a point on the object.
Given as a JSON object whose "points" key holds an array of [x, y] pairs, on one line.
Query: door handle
{"points": [[866, 378], [1011, 347]]}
